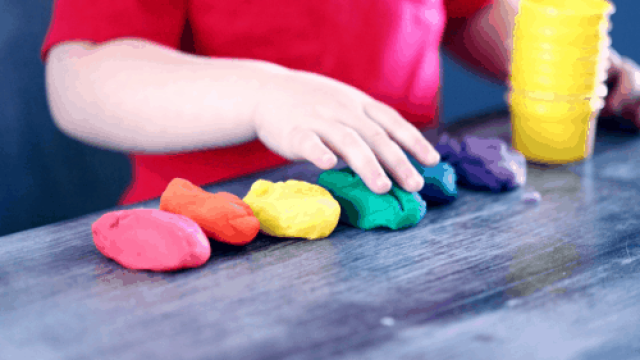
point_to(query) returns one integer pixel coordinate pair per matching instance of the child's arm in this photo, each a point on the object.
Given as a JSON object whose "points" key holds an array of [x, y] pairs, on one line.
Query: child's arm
{"points": [[134, 95]]}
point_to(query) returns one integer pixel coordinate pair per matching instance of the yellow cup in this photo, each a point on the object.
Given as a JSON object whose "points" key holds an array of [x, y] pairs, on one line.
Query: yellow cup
{"points": [[553, 84], [554, 71], [549, 61], [567, 54], [553, 131], [559, 62], [569, 7], [578, 37], [524, 45], [596, 100], [565, 58], [520, 69], [564, 87], [529, 20]]}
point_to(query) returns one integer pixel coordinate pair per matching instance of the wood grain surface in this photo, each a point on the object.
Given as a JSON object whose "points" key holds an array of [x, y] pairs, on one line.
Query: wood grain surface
{"points": [[488, 277]]}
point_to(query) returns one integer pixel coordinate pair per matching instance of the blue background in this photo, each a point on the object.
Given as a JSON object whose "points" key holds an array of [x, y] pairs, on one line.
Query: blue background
{"points": [[47, 177]]}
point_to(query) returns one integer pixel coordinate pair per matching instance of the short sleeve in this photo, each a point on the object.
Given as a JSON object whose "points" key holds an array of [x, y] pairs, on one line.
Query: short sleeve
{"points": [[464, 8], [161, 21]]}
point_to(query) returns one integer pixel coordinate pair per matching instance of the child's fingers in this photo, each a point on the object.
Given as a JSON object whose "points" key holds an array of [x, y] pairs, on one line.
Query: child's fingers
{"points": [[389, 154], [309, 146], [394, 159], [627, 89], [631, 111], [403, 132], [615, 62], [357, 154]]}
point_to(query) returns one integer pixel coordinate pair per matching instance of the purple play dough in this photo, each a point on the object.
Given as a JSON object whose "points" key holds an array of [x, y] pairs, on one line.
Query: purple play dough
{"points": [[489, 164], [448, 148], [484, 163]]}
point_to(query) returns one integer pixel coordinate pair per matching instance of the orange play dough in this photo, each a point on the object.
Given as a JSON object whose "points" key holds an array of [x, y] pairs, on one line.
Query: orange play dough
{"points": [[222, 216]]}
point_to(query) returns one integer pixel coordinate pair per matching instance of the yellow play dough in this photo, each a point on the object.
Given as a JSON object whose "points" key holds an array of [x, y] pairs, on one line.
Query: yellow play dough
{"points": [[293, 209]]}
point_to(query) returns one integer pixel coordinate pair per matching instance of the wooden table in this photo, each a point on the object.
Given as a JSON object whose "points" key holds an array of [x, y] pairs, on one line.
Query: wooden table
{"points": [[488, 277]]}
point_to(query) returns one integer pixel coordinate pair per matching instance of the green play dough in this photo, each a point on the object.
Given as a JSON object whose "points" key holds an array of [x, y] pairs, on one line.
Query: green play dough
{"points": [[365, 209]]}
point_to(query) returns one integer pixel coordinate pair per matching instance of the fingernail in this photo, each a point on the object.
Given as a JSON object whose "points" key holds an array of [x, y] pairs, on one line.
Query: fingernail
{"points": [[412, 184], [425, 150], [383, 183], [435, 158], [327, 159]]}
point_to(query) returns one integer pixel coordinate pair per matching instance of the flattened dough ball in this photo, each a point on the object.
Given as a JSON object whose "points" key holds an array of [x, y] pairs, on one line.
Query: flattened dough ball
{"points": [[151, 239], [439, 182], [365, 209], [223, 216], [489, 164], [293, 209]]}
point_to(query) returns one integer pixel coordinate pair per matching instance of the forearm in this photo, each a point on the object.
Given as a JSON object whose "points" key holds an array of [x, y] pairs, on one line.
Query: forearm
{"points": [[483, 42], [136, 96]]}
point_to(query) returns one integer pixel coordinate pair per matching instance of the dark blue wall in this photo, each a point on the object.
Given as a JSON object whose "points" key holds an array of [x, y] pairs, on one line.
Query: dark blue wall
{"points": [[44, 175], [464, 94]]}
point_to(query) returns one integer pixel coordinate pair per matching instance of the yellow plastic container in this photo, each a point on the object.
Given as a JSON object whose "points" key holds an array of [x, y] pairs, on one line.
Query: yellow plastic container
{"points": [[531, 15], [568, 88], [559, 63], [569, 7], [552, 143], [528, 45], [544, 68], [549, 96], [532, 60], [554, 107], [553, 131], [577, 37], [567, 55], [553, 84], [548, 71], [560, 68]]}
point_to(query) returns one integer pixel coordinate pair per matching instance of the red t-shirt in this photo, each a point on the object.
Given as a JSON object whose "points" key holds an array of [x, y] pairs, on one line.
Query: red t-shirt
{"points": [[386, 48]]}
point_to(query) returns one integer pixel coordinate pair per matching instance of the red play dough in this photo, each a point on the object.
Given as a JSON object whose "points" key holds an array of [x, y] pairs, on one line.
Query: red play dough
{"points": [[150, 239], [223, 216]]}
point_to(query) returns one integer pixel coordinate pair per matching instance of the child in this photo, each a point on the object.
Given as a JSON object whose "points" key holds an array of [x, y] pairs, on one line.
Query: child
{"points": [[209, 90]]}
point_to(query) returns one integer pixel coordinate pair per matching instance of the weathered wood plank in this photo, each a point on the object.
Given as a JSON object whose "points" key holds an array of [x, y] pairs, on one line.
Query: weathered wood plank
{"points": [[488, 277]]}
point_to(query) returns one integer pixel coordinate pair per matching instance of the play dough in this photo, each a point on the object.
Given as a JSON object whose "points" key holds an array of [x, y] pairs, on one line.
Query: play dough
{"points": [[439, 182], [293, 209], [365, 209], [489, 164], [449, 149], [150, 239], [222, 216]]}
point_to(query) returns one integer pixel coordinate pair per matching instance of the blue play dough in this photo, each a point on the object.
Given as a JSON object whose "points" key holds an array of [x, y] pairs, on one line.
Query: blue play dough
{"points": [[439, 182], [422, 203]]}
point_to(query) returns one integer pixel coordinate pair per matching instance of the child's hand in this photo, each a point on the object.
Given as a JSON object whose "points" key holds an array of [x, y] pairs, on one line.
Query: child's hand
{"points": [[624, 96], [302, 115]]}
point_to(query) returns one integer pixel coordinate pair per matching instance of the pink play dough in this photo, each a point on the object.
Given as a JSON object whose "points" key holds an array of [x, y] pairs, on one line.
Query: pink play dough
{"points": [[150, 239]]}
